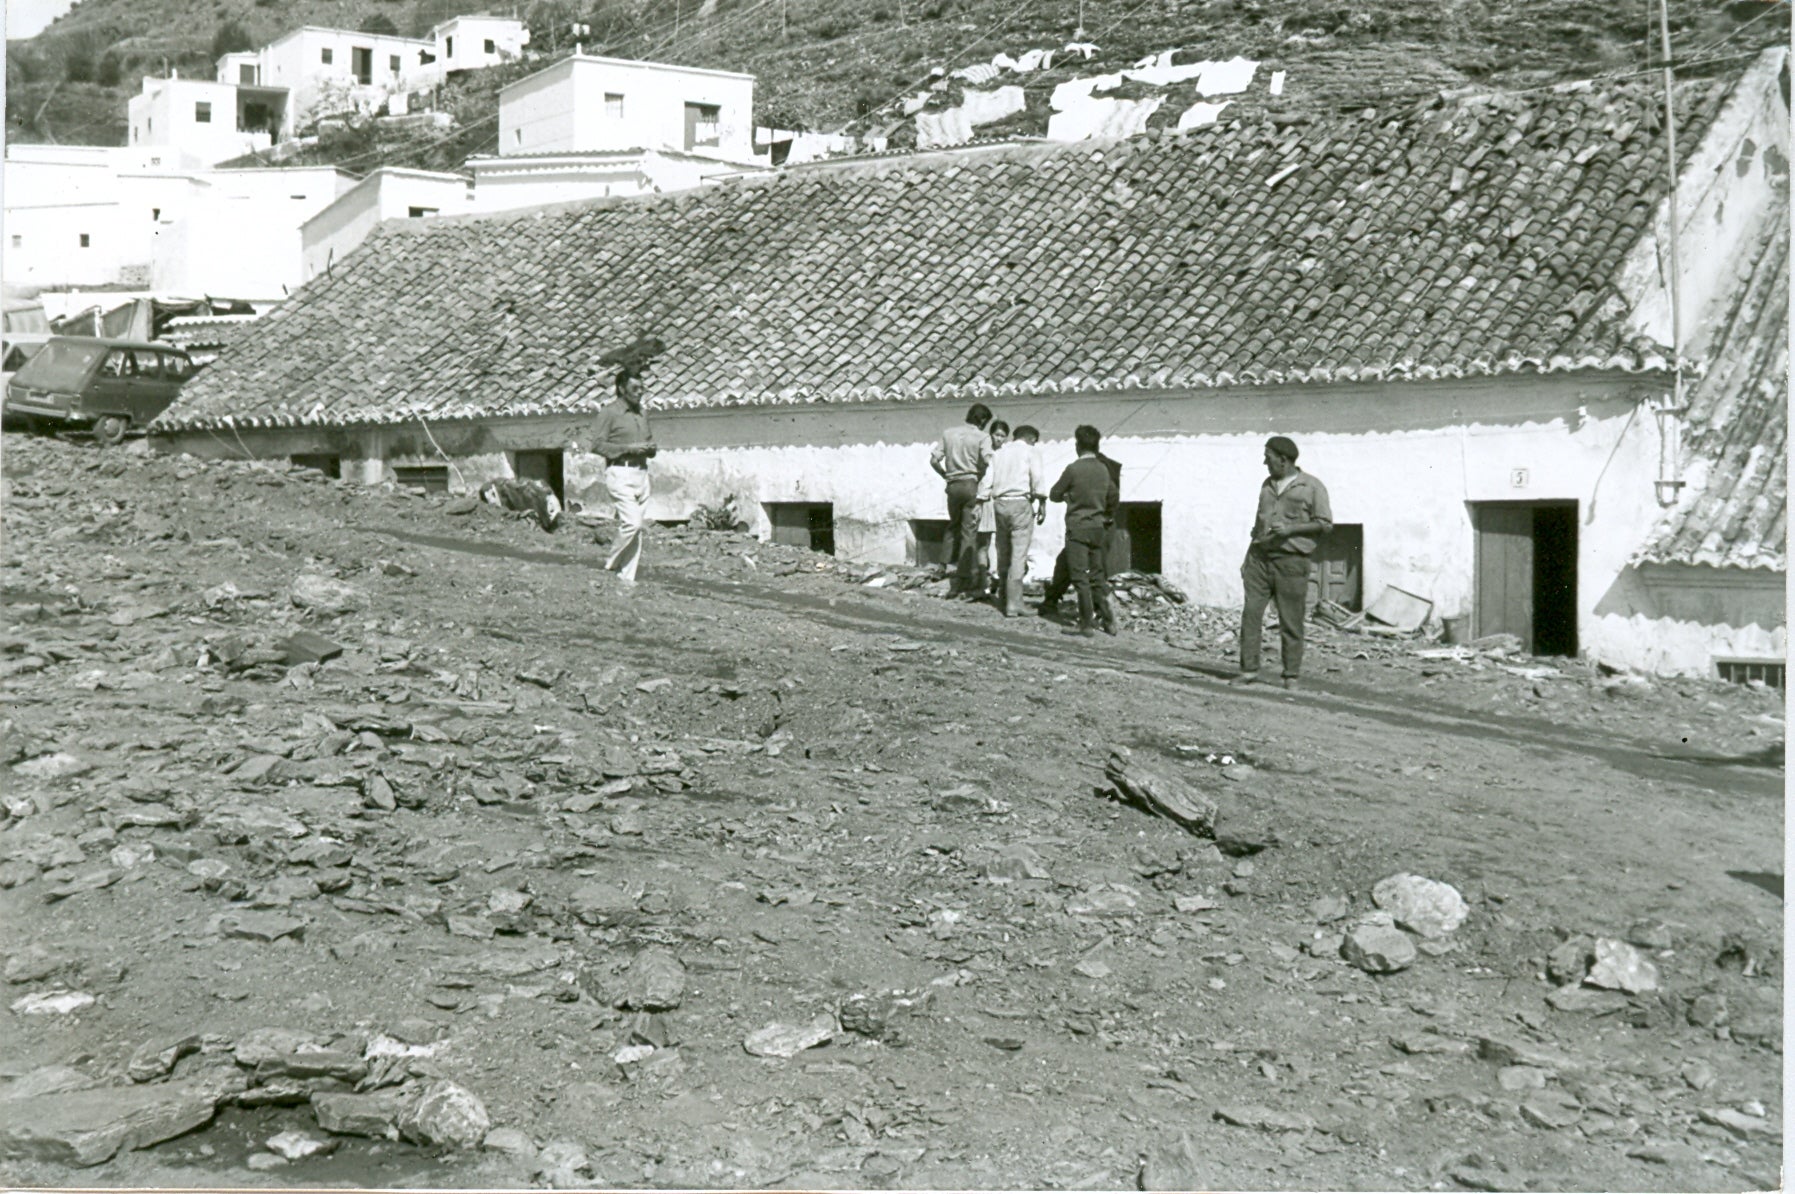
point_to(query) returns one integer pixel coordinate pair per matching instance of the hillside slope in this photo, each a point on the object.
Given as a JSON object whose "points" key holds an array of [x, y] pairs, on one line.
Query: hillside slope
{"points": [[827, 64]]}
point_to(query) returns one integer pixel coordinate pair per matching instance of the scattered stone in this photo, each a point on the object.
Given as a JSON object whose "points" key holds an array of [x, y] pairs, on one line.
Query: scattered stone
{"points": [[1091, 968], [1707, 1011], [372, 1115], [93, 880], [874, 1014], [788, 1040], [1698, 1075], [46, 1080], [561, 1162], [1194, 903], [1161, 793], [1620, 967], [89, 1127], [656, 981], [1375, 945], [462, 506], [132, 855], [308, 647], [1586, 999], [262, 1162], [1103, 902], [512, 1142], [1266, 1119], [34, 964], [324, 595], [1738, 1123], [1329, 909], [1649, 934], [52, 1003], [447, 1115], [1551, 1109], [1507, 1051], [296, 1146], [1521, 1077], [1174, 1167], [261, 926], [1425, 907], [1570, 960], [1014, 863], [57, 765], [157, 1058]]}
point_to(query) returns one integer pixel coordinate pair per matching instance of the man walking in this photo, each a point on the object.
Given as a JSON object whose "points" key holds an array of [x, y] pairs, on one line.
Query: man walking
{"points": [[961, 458], [622, 437], [1016, 487], [1293, 511], [1090, 495]]}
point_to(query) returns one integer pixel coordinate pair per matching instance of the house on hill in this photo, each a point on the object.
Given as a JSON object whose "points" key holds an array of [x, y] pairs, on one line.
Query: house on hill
{"points": [[1461, 312]]}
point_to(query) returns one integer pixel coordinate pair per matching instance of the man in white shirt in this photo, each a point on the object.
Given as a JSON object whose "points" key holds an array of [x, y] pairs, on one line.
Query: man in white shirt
{"points": [[1016, 486]]}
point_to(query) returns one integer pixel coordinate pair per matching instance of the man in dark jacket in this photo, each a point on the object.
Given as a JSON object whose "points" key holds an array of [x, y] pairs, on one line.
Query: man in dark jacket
{"points": [[1090, 495], [1061, 580]]}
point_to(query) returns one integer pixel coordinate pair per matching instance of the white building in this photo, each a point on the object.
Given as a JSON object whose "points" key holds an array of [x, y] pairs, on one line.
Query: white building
{"points": [[584, 104], [238, 235], [83, 215], [471, 42], [389, 193], [331, 71], [209, 121]]}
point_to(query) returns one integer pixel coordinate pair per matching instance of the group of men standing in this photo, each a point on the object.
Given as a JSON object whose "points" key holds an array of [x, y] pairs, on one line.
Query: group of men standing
{"points": [[989, 469]]}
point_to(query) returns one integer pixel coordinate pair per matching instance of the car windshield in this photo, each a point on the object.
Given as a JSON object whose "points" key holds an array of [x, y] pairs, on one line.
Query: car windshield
{"points": [[62, 363]]}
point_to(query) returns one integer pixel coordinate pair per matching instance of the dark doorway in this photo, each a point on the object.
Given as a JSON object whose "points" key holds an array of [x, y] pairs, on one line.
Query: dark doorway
{"points": [[425, 478], [330, 466], [1339, 568], [930, 539], [1526, 583], [1134, 546], [361, 63], [804, 524], [541, 466]]}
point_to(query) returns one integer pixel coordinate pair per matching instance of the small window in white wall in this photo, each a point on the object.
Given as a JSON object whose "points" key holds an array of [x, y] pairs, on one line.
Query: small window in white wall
{"points": [[614, 105], [490, 48], [449, 47], [392, 63], [418, 213], [517, 136], [155, 213], [85, 242], [202, 112], [18, 242], [324, 56]]}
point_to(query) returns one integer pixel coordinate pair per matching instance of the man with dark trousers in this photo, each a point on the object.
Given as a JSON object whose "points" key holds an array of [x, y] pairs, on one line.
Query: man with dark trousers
{"points": [[1293, 512], [1061, 580], [961, 458], [1090, 494]]}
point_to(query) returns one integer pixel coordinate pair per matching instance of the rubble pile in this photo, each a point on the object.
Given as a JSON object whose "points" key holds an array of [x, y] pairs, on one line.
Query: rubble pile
{"points": [[349, 841]]}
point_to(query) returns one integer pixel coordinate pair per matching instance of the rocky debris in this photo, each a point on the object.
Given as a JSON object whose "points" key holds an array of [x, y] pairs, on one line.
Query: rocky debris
{"points": [[373, 1115], [877, 1014], [51, 1003], [513, 1142], [49, 1079], [1586, 999], [296, 1146], [1570, 960], [1160, 793], [1015, 863], [1620, 967], [1551, 1108], [1375, 945], [1179, 1166], [325, 595], [157, 1058], [1266, 1119], [788, 1040], [89, 1127], [1425, 907], [1740, 1124], [656, 982], [1708, 1010], [446, 1115]]}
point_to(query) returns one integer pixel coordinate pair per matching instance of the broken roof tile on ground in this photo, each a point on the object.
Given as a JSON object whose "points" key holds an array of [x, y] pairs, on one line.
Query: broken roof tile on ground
{"points": [[1463, 238]]}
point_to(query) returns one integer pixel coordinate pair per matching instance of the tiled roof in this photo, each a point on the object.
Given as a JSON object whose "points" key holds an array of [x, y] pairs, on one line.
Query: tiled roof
{"points": [[1457, 239], [1736, 434]]}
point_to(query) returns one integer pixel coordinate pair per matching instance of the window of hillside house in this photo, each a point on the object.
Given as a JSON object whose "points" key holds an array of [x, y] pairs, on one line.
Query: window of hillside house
{"points": [[17, 241], [701, 124], [324, 56], [392, 63], [202, 112], [156, 214], [84, 241], [418, 213], [361, 64], [613, 105], [246, 75], [448, 47], [517, 136], [490, 48]]}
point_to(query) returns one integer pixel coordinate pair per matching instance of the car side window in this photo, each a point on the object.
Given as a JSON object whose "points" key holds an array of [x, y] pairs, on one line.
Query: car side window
{"points": [[117, 364], [15, 360], [175, 367], [146, 363]]}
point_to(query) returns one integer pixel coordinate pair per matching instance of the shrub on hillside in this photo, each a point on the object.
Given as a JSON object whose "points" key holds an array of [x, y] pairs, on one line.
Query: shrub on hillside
{"points": [[380, 23], [229, 39]]}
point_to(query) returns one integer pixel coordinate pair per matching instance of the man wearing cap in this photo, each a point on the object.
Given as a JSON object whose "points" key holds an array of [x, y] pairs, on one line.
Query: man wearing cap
{"points": [[961, 457], [1293, 512], [621, 436]]}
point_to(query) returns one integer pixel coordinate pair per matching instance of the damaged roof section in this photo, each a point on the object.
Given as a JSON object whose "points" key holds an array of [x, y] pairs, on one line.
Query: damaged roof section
{"points": [[1736, 434], [1463, 238]]}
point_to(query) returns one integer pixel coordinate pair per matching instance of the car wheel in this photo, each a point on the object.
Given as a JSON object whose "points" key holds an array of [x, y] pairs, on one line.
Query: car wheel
{"points": [[110, 429]]}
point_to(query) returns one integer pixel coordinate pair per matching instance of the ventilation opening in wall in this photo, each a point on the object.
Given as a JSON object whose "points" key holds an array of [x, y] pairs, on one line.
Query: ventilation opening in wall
{"points": [[330, 466], [930, 541], [803, 524], [1134, 544], [546, 467], [1769, 672], [425, 478]]}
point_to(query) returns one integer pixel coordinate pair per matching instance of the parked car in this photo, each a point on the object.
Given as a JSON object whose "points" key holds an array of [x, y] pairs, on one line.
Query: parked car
{"points": [[108, 386]]}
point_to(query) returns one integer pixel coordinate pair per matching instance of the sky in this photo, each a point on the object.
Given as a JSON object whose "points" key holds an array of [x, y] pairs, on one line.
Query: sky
{"points": [[27, 18]]}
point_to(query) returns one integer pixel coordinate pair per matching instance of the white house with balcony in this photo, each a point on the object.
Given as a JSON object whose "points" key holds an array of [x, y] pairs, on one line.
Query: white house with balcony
{"points": [[471, 42], [207, 121], [330, 71], [595, 128]]}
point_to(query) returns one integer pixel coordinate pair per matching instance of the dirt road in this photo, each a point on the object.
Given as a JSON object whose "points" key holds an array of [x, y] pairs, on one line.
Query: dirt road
{"points": [[574, 850]]}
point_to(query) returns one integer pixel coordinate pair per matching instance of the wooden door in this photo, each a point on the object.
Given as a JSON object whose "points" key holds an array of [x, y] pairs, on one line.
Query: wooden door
{"points": [[1503, 603]]}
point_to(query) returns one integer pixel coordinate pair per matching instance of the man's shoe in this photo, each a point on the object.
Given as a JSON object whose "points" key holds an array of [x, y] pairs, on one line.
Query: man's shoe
{"points": [[1291, 682], [1081, 631], [1245, 678], [1048, 609], [1109, 624]]}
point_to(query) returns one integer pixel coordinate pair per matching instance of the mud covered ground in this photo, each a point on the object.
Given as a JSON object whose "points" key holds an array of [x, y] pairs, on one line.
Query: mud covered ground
{"points": [[530, 866]]}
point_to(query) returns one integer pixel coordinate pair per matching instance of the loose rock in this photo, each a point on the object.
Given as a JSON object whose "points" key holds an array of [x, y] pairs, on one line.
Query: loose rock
{"points": [[1620, 967], [1425, 907], [88, 1127], [788, 1040], [447, 1115], [1377, 946]]}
